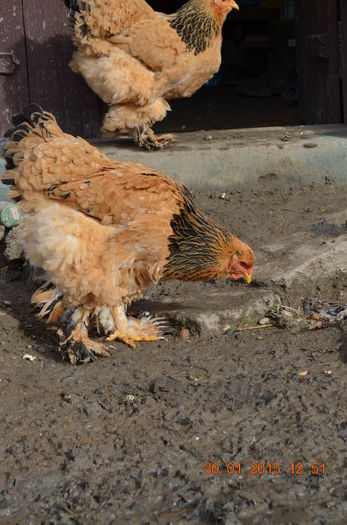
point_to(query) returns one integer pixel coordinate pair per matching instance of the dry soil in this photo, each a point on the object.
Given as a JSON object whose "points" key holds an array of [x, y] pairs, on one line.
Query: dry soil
{"points": [[129, 439]]}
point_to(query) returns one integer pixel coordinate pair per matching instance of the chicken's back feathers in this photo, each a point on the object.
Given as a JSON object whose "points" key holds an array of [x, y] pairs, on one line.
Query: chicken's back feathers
{"points": [[43, 160], [104, 18], [150, 36]]}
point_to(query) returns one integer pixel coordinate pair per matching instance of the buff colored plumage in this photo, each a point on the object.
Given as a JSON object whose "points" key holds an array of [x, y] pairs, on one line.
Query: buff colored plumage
{"points": [[103, 231], [136, 59]]}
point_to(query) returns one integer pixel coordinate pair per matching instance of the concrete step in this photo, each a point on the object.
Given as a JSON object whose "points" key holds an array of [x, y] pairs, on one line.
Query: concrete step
{"points": [[230, 159]]}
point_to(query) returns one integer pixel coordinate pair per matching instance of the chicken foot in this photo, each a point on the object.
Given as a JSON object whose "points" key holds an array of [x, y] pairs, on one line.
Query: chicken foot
{"points": [[74, 341], [130, 330], [146, 138]]}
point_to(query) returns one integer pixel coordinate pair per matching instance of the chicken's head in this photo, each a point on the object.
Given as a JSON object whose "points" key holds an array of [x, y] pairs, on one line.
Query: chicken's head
{"points": [[223, 7], [241, 262]]}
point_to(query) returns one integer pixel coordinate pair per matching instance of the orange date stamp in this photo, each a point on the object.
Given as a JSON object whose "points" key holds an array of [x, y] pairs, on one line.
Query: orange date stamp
{"points": [[259, 468]]}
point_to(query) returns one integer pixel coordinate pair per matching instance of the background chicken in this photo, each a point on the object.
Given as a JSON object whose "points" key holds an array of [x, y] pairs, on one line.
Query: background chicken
{"points": [[103, 231], [136, 59]]}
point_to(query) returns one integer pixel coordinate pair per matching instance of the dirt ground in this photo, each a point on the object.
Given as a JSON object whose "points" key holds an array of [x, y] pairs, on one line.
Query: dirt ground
{"points": [[128, 439]]}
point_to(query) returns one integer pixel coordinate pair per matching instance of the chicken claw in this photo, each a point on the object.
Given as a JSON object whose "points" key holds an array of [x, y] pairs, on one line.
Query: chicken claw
{"points": [[130, 330], [121, 337], [74, 341], [130, 341], [146, 138]]}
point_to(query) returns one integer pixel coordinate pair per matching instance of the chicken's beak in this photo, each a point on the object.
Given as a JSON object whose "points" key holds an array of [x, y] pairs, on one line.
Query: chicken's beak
{"points": [[247, 277], [235, 6]]}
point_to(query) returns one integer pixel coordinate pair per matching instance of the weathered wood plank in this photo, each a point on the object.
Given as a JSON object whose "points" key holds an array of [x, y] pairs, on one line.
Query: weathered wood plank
{"points": [[13, 87], [51, 81], [318, 61]]}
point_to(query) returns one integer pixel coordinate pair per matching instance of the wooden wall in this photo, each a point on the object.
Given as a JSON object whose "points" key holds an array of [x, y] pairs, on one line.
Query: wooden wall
{"points": [[38, 33]]}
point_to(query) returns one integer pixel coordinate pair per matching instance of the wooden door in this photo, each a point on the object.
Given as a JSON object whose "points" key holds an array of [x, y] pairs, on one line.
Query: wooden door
{"points": [[14, 88], [319, 71], [38, 34]]}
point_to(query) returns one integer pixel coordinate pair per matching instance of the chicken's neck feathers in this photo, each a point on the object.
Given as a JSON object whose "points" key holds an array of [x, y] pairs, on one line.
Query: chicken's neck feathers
{"points": [[196, 25], [199, 248]]}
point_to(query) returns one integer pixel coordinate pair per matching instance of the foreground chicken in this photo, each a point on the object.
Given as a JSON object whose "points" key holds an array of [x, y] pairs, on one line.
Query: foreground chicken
{"points": [[136, 59], [103, 231]]}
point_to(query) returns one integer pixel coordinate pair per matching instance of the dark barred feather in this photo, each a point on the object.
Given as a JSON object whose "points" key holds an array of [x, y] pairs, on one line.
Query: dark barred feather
{"points": [[77, 7], [195, 26], [23, 122], [196, 245]]}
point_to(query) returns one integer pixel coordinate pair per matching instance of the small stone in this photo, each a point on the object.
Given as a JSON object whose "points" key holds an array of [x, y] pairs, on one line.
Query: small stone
{"points": [[328, 372], [2, 232], [66, 397], [7, 303], [226, 328], [310, 145], [264, 320], [287, 315], [129, 398], [208, 137], [14, 248], [223, 196], [194, 380], [29, 357], [184, 334], [303, 373], [9, 214]]}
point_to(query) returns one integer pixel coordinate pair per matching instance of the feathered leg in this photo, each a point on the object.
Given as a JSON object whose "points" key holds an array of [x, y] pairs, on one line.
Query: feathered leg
{"points": [[130, 330], [136, 120], [74, 341]]}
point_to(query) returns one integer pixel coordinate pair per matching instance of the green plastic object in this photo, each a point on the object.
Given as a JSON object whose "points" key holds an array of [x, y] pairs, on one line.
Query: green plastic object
{"points": [[9, 214]]}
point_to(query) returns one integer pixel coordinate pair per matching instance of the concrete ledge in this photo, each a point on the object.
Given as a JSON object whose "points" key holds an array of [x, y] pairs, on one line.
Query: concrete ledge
{"points": [[233, 158], [220, 306]]}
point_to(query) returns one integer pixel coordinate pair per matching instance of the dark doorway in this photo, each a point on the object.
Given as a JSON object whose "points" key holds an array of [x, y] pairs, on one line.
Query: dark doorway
{"points": [[321, 77]]}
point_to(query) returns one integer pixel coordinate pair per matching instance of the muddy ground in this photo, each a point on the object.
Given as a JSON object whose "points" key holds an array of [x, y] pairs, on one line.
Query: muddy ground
{"points": [[127, 439]]}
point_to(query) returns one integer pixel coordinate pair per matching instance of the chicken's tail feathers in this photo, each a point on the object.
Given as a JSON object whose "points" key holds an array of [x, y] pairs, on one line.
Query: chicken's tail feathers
{"points": [[77, 9], [49, 300], [32, 127], [74, 5], [33, 124]]}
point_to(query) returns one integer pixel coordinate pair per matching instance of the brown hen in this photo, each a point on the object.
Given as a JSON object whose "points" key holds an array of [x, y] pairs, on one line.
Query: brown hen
{"points": [[136, 59], [103, 231]]}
